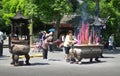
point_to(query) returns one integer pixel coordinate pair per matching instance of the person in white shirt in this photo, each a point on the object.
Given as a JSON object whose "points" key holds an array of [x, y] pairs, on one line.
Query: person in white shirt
{"points": [[1, 43], [69, 40], [111, 42]]}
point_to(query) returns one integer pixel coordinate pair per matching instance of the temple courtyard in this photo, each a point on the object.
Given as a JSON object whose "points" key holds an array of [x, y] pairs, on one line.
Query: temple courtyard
{"points": [[56, 65]]}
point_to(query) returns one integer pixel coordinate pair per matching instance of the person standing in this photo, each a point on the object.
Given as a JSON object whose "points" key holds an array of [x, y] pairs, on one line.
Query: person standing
{"points": [[45, 46], [62, 44], [44, 35], [1, 43], [111, 42], [40, 37], [50, 46], [69, 40]]}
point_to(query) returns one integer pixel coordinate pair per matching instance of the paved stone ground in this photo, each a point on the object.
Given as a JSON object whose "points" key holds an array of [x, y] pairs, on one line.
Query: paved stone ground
{"points": [[56, 66]]}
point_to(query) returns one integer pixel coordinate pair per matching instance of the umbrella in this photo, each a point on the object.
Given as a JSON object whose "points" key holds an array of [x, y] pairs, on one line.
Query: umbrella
{"points": [[51, 30]]}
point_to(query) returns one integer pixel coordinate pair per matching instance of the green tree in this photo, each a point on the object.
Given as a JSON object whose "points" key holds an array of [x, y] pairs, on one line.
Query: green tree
{"points": [[109, 8], [53, 10], [2, 22], [45, 10], [10, 7]]}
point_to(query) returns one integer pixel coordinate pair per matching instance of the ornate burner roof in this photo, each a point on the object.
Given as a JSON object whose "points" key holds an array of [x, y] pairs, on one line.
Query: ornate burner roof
{"points": [[19, 18], [99, 21]]}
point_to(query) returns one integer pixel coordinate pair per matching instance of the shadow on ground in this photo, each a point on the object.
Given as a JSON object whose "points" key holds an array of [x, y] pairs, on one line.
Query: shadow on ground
{"points": [[115, 51], [54, 60], [34, 64], [93, 62]]}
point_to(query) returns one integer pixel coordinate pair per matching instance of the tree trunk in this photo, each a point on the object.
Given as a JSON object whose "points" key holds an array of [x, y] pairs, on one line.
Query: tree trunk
{"points": [[56, 34]]}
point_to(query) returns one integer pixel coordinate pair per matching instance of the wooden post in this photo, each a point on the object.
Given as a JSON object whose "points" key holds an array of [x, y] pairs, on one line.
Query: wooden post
{"points": [[31, 32]]}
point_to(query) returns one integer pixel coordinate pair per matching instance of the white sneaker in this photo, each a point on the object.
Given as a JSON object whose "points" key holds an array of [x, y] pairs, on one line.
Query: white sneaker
{"points": [[45, 59]]}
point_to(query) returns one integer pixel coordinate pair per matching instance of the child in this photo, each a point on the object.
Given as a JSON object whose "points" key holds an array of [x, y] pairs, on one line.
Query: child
{"points": [[37, 47]]}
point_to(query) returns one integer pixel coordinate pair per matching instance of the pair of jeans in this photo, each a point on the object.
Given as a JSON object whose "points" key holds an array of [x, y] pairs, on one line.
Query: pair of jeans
{"points": [[45, 53], [110, 47], [50, 47]]}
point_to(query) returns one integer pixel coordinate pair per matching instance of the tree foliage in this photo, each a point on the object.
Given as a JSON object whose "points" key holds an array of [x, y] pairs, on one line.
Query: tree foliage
{"points": [[52, 11], [44, 10], [109, 8]]}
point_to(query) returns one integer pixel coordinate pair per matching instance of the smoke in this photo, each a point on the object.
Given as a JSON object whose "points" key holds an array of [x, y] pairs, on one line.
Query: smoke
{"points": [[84, 13], [80, 1]]}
